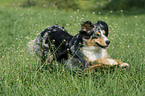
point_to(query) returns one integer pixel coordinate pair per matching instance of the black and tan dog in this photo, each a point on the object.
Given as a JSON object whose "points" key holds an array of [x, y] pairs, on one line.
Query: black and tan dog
{"points": [[84, 51]]}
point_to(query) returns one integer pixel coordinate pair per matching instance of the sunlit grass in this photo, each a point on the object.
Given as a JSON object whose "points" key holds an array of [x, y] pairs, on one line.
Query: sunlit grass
{"points": [[22, 74]]}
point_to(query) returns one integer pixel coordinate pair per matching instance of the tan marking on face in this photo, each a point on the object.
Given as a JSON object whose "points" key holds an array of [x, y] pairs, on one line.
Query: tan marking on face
{"points": [[92, 42], [98, 33], [104, 32]]}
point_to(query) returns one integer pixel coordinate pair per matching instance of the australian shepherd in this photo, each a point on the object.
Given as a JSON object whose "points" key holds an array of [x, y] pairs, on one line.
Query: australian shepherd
{"points": [[84, 51]]}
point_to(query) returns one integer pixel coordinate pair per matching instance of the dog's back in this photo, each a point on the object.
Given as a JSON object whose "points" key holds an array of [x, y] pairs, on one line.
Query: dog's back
{"points": [[52, 40]]}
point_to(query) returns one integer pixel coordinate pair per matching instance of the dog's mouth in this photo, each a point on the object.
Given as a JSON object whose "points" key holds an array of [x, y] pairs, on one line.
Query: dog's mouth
{"points": [[104, 47]]}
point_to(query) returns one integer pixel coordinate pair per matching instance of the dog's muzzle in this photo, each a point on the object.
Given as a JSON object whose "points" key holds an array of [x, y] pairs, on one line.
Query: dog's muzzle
{"points": [[106, 46]]}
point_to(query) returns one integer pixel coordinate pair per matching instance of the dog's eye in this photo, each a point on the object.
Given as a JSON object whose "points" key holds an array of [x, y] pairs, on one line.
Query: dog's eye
{"points": [[95, 37]]}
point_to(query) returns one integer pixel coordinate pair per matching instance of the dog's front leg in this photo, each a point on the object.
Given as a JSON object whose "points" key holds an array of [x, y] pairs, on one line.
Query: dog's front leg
{"points": [[103, 63], [121, 64], [107, 63], [98, 64]]}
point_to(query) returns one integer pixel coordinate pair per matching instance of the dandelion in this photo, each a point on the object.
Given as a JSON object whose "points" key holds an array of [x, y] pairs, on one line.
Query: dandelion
{"points": [[135, 16], [81, 19], [13, 45], [121, 10], [27, 37], [93, 13], [99, 18], [78, 10], [111, 11], [50, 69]]}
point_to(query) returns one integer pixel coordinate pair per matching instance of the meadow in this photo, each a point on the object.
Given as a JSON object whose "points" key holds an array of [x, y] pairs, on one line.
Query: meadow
{"points": [[21, 73]]}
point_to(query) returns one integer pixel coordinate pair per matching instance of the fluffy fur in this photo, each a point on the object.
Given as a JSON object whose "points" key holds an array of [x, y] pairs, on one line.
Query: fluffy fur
{"points": [[84, 51]]}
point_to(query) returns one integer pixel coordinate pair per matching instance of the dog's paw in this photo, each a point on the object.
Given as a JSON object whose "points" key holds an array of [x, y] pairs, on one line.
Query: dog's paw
{"points": [[124, 65]]}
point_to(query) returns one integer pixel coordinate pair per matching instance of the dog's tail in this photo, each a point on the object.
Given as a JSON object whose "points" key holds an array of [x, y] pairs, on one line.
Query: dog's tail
{"points": [[30, 46]]}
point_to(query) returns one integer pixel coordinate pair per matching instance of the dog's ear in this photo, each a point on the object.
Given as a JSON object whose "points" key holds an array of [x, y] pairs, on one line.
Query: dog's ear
{"points": [[105, 27], [86, 26]]}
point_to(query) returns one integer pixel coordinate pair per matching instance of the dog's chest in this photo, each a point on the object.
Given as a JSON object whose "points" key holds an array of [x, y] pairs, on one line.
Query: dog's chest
{"points": [[93, 53]]}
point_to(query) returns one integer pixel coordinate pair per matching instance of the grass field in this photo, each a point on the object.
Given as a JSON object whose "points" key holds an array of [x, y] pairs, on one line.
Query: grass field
{"points": [[21, 73]]}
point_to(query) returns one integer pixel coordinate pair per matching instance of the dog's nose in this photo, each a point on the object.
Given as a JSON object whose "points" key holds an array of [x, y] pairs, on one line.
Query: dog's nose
{"points": [[107, 42]]}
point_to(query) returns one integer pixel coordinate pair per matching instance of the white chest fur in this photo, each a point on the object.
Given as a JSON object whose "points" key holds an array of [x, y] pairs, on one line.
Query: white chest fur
{"points": [[93, 53]]}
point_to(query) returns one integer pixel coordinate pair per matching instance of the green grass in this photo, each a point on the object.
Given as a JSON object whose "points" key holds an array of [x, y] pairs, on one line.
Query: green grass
{"points": [[21, 73]]}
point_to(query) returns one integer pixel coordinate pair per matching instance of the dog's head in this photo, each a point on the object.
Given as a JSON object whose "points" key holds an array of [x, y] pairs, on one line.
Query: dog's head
{"points": [[94, 34]]}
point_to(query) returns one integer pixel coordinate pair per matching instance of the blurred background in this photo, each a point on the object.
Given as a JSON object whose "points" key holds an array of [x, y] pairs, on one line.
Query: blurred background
{"points": [[115, 5], [91, 5]]}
